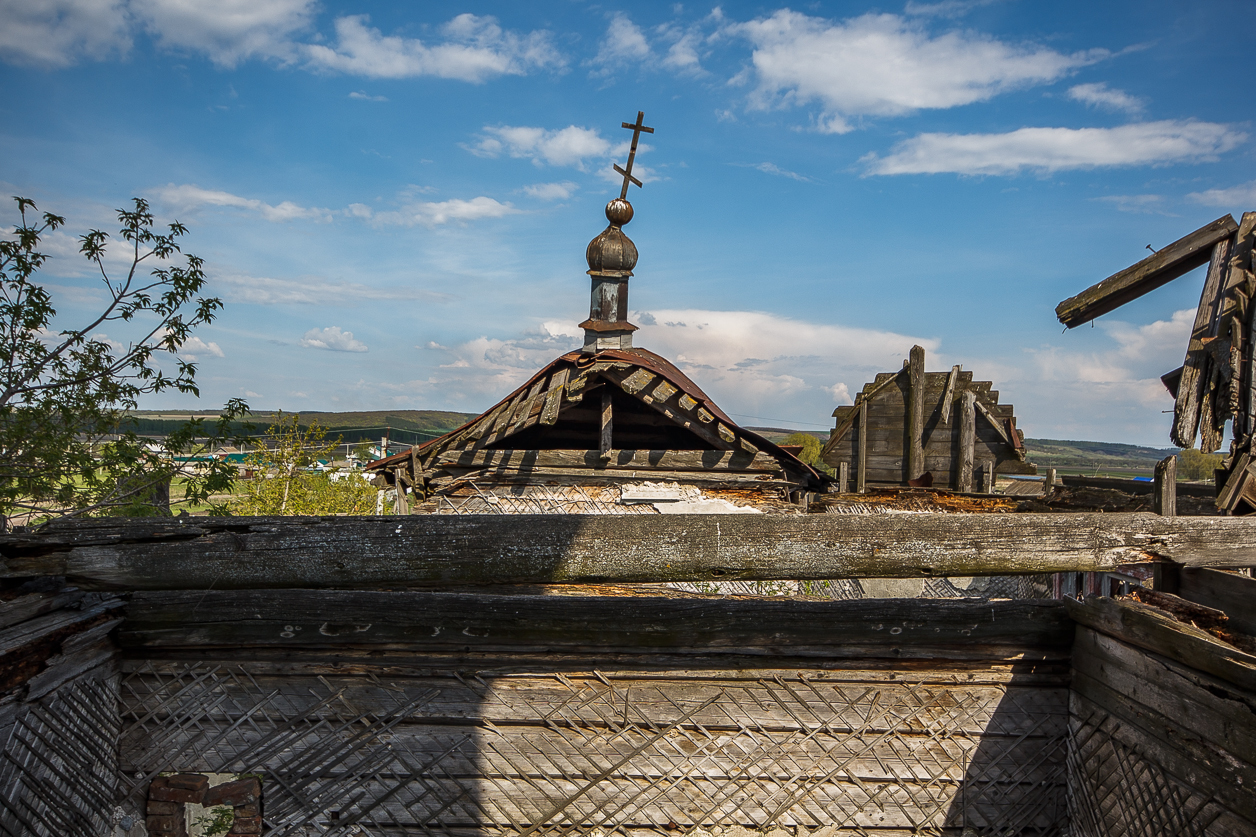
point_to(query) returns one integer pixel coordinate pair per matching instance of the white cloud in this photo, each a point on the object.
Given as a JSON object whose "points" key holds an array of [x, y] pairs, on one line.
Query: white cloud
{"points": [[308, 290], [1137, 204], [551, 191], [193, 347], [1241, 196], [435, 213], [1058, 149], [332, 339], [683, 54], [624, 43], [1099, 95], [188, 197], [570, 146], [475, 49], [365, 97], [58, 33], [228, 31], [773, 168], [886, 65], [946, 8]]}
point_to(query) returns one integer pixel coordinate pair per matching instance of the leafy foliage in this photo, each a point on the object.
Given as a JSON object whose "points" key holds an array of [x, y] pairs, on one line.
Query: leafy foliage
{"points": [[66, 447], [285, 481], [1194, 465], [810, 454]]}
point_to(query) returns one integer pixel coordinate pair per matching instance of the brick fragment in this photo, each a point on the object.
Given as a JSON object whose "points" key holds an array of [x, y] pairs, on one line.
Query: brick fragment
{"points": [[157, 808], [165, 793], [239, 792], [175, 826], [245, 826], [250, 810], [188, 781]]}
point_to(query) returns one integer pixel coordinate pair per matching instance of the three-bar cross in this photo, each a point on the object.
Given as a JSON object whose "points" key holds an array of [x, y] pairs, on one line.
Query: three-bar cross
{"points": [[637, 128]]}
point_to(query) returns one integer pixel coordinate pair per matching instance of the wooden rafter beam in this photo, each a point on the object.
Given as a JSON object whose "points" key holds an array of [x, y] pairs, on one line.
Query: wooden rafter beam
{"points": [[1165, 265], [435, 550]]}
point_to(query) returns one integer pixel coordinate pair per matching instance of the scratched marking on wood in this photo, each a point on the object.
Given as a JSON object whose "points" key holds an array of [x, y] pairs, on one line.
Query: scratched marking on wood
{"points": [[563, 754], [58, 766]]}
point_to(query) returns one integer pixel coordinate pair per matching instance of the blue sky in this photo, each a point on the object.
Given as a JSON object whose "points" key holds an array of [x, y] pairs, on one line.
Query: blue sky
{"points": [[394, 199]]}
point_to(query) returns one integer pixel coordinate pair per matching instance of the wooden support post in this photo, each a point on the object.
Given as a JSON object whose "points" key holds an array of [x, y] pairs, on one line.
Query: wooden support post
{"points": [[1049, 483], [987, 477], [843, 477], [916, 413], [604, 442], [967, 440], [861, 468], [1195, 369], [1165, 498]]}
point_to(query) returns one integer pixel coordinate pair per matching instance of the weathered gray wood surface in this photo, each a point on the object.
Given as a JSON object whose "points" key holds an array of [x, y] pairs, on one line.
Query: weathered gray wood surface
{"points": [[1183, 255], [1164, 498], [1148, 628], [633, 460], [433, 550], [1195, 727], [1234, 594], [422, 621], [1191, 410], [915, 415]]}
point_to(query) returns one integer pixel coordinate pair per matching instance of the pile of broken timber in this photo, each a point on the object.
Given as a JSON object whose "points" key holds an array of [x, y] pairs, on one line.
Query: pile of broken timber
{"points": [[1215, 382]]}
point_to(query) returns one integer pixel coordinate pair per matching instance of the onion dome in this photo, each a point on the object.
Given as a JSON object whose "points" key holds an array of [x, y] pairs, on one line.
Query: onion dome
{"points": [[612, 251]]}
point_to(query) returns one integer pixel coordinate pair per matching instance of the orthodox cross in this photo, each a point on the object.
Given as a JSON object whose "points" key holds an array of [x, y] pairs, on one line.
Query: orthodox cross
{"points": [[637, 128]]}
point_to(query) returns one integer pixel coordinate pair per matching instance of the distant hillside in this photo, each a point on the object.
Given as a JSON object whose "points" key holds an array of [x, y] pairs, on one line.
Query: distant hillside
{"points": [[1104, 456]]}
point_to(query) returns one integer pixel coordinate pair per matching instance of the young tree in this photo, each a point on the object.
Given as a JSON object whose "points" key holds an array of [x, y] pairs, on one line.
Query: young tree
{"points": [[285, 480], [66, 447]]}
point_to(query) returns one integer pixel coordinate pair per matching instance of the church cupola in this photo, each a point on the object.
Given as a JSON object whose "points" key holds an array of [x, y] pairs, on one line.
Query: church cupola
{"points": [[611, 257]]}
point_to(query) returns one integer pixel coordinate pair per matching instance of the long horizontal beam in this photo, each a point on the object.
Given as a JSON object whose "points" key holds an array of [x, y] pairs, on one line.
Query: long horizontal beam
{"points": [[440, 550]]}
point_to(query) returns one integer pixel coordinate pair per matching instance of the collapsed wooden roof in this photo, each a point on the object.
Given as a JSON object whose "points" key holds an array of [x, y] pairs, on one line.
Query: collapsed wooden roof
{"points": [[925, 429], [1215, 382], [614, 416]]}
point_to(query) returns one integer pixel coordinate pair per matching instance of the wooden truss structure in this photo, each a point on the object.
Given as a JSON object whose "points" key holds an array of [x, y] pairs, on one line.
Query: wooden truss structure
{"points": [[1216, 382], [920, 428]]}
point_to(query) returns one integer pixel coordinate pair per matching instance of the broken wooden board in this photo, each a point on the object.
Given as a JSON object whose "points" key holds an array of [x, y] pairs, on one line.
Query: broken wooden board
{"points": [[1165, 265], [436, 550]]}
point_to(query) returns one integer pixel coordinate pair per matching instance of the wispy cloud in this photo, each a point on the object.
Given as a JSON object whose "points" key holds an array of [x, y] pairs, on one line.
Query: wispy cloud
{"points": [[1099, 95], [1242, 196], [365, 97], [570, 146], [623, 44], [773, 168], [455, 210], [551, 191], [474, 49], [887, 65], [946, 8], [61, 34], [189, 197], [309, 290], [1138, 204], [229, 31], [332, 339], [1058, 149]]}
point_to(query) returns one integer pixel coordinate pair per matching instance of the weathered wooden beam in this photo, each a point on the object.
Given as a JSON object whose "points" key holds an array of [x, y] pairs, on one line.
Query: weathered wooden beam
{"points": [[1163, 266], [861, 472], [1164, 497], [605, 442], [967, 440], [435, 550], [434, 621], [843, 477], [915, 412], [1235, 594], [948, 395], [1146, 627], [1196, 368]]}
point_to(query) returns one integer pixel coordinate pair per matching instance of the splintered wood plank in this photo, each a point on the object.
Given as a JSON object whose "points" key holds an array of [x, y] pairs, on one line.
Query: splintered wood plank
{"points": [[554, 398], [1235, 594], [861, 472], [1195, 369], [663, 391], [1182, 256], [915, 412], [607, 422], [948, 395], [525, 409], [967, 440]]}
